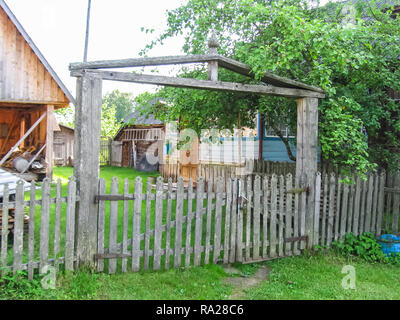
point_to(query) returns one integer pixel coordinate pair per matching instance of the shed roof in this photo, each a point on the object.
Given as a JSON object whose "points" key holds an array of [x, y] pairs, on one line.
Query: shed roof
{"points": [[36, 50]]}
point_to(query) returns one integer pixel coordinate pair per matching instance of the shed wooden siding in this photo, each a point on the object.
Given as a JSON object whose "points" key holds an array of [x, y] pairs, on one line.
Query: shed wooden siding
{"points": [[63, 146], [23, 77]]}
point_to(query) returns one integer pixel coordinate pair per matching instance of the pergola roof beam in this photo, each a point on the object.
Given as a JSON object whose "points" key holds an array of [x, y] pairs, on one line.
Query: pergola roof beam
{"points": [[200, 84], [224, 62]]}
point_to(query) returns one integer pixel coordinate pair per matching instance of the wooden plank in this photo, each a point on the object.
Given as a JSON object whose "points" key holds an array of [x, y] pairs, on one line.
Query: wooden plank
{"points": [[168, 223], [227, 220], [188, 247], [86, 162], [296, 217], [158, 224], [31, 232], [125, 223], [256, 217], [57, 225], [390, 181], [4, 229], [44, 226], [70, 226], [363, 201], [218, 220], [18, 226], [350, 209], [368, 206], [239, 228], [318, 179], [101, 226], [375, 204], [281, 214], [324, 210], [381, 203], [201, 84], [332, 185], [265, 217], [343, 217], [208, 221], [356, 213], [199, 221], [141, 62], [249, 196], [224, 62], [303, 211], [147, 234], [396, 205], [113, 227], [178, 221], [288, 213], [272, 230], [232, 253], [136, 222], [338, 206]]}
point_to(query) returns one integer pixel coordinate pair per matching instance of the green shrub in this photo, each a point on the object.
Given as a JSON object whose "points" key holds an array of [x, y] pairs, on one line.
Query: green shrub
{"points": [[364, 246]]}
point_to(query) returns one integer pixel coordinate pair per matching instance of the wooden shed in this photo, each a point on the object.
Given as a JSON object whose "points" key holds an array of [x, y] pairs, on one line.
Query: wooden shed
{"points": [[140, 134], [63, 146], [30, 91]]}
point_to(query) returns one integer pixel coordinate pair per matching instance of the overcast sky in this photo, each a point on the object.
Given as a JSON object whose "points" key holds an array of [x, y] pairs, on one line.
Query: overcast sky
{"points": [[57, 27]]}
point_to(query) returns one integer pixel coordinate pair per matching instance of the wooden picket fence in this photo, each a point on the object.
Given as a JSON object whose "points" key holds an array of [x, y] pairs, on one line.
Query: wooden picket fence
{"points": [[29, 248], [246, 223], [153, 227]]}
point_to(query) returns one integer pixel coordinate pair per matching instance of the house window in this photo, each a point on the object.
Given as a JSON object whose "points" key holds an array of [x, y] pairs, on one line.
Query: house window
{"points": [[3, 130]]}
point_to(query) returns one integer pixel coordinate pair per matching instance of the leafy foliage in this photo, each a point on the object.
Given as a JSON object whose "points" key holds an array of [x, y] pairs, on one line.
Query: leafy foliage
{"points": [[350, 52], [365, 246]]}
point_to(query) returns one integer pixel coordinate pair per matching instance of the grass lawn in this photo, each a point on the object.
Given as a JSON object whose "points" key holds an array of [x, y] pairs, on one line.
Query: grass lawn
{"points": [[306, 277]]}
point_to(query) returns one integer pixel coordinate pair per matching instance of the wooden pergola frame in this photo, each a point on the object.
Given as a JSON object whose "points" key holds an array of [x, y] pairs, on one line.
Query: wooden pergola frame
{"points": [[88, 117]]}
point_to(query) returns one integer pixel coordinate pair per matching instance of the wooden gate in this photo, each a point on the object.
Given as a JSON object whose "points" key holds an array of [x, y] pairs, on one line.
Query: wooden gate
{"points": [[271, 218], [171, 225]]}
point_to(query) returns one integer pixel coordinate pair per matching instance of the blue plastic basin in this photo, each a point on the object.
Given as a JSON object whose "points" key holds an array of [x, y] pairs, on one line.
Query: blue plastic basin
{"points": [[390, 243]]}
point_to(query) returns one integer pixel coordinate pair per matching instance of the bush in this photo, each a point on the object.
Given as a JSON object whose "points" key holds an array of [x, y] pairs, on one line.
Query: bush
{"points": [[364, 246]]}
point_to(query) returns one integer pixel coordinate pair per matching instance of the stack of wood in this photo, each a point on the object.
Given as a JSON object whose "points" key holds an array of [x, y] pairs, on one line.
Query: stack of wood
{"points": [[11, 220], [27, 154]]}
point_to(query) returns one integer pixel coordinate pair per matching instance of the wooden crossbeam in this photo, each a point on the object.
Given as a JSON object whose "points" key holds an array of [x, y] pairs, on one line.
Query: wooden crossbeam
{"points": [[222, 61], [200, 84], [142, 62]]}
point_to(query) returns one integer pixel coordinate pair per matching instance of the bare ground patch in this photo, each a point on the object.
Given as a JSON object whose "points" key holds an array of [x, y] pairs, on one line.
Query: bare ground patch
{"points": [[242, 284]]}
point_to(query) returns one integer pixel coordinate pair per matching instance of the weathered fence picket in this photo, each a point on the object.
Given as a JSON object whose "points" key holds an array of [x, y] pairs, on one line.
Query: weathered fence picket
{"points": [[44, 226], [136, 222], [113, 227], [31, 232], [101, 226], [18, 227]]}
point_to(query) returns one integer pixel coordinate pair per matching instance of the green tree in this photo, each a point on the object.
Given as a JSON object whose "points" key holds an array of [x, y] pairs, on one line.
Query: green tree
{"points": [[351, 52], [122, 103]]}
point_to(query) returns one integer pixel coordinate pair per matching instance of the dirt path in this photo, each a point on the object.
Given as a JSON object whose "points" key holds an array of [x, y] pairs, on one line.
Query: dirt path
{"points": [[241, 284]]}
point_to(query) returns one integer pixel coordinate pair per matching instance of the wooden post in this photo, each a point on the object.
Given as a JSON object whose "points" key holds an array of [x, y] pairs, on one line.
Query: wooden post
{"points": [[49, 141], [306, 155], [86, 165], [213, 65]]}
